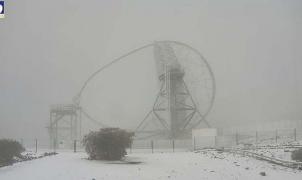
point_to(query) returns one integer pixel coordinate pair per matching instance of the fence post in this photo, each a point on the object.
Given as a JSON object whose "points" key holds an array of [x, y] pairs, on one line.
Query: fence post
{"points": [[55, 144], [173, 144], [276, 136], [236, 138], [295, 134], [131, 147], [75, 146], [194, 143], [152, 146], [256, 137], [36, 142]]}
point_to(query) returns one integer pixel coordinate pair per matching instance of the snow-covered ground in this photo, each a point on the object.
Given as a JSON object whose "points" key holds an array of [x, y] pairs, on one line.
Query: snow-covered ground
{"points": [[180, 165], [282, 154]]}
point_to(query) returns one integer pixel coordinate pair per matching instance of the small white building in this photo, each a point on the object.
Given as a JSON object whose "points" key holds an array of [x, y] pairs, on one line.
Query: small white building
{"points": [[204, 138]]}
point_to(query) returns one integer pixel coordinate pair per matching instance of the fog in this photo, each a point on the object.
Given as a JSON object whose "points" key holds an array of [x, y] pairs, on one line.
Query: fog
{"points": [[49, 48]]}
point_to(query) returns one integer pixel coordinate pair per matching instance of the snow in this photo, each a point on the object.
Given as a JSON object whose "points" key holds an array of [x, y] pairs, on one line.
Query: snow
{"points": [[282, 154], [178, 165]]}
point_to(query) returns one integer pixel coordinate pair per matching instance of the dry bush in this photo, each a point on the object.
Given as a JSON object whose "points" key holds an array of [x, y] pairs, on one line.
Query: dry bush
{"points": [[107, 143], [9, 149]]}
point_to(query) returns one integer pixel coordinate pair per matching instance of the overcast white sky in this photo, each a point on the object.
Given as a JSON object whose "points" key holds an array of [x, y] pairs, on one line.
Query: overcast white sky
{"points": [[49, 48]]}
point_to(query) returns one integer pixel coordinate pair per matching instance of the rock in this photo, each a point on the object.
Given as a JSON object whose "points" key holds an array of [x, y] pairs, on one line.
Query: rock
{"points": [[262, 173]]}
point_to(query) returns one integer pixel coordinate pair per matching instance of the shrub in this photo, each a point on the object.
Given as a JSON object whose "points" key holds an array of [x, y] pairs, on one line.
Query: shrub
{"points": [[9, 149], [107, 143], [297, 155]]}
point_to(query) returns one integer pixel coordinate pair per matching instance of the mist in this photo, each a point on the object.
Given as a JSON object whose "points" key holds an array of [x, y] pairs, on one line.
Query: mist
{"points": [[49, 48]]}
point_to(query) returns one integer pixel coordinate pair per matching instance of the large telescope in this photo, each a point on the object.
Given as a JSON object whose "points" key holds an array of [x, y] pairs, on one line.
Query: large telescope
{"points": [[174, 113]]}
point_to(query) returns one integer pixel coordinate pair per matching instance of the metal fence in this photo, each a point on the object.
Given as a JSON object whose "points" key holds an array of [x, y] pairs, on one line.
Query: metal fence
{"points": [[252, 138], [153, 146], [272, 137]]}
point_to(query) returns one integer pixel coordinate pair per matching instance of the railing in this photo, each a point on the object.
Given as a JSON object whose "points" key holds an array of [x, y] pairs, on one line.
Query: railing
{"points": [[245, 140]]}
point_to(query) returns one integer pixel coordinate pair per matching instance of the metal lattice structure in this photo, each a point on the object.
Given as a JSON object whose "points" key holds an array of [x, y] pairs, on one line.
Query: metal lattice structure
{"points": [[186, 96], [64, 123], [175, 111]]}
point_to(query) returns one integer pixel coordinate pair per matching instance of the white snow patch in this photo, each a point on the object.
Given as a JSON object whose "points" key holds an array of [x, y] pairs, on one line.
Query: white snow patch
{"points": [[180, 165]]}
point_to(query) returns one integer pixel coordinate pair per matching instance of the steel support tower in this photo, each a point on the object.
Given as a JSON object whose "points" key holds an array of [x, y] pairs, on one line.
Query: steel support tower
{"points": [[64, 125], [174, 112]]}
